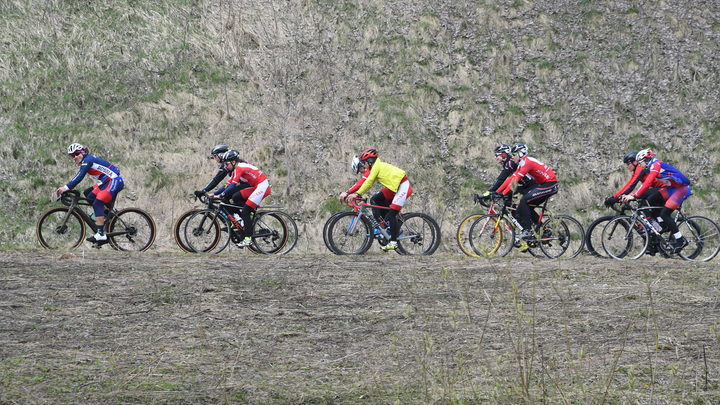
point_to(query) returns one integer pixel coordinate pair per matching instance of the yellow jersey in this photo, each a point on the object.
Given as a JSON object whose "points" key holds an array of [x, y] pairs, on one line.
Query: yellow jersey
{"points": [[387, 174]]}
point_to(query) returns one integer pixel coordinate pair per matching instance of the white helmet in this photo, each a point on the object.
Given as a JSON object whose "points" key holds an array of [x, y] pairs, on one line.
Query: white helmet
{"points": [[75, 147], [645, 154], [356, 164], [520, 150]]}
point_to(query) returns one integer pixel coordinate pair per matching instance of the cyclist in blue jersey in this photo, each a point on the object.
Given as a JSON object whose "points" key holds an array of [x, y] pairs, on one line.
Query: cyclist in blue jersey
{"points": [[100, 195], [673, 186]]}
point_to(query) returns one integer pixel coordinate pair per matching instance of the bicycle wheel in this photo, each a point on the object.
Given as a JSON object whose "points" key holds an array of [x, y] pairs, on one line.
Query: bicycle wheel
{"points": [[703, 236], [623, 239], [554, 237], [203, 232], [60, 228], [349, 236], [491, 235], [462, 236], [419, 235], [593, 236], [577, 235], [131, 229], [270, 233], [326, 232], [179, 230]]}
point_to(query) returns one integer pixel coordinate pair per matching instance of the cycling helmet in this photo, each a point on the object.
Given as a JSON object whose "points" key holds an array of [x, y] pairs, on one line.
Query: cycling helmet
{"points": [[630, 157], [369, 155], [356, 164], [645, 154], [219, 150], [74, 148], [502, 148], [230, 155], [520, 150]]}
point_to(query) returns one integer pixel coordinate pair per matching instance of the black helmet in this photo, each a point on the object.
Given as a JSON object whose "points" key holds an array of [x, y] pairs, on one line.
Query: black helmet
{"points": [[502, 148], [630, 157], [219, 150], [230, 155]]}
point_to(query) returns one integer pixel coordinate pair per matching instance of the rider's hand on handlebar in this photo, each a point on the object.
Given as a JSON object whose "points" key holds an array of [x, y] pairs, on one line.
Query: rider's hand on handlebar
{"points": [[199, 193], [627, 198], [610, 201], [59, 192], [342, 196]]}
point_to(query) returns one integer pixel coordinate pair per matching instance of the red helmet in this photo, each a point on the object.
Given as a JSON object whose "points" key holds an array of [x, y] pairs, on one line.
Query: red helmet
{"points": [[369, 154]]}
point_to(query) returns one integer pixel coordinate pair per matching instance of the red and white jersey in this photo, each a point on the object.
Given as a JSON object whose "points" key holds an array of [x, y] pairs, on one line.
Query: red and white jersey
{"points": [[539, 171], [246, 173]]}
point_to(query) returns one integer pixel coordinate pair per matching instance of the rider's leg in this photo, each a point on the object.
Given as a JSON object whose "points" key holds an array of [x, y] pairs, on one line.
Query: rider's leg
{"points": [[398, 201], [254, 197], [675, 197], [380, 198], [103, 197], [534, 197]]}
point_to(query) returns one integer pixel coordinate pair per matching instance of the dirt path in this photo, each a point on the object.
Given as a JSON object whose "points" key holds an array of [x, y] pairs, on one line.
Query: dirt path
{"points": [[99, 327]]}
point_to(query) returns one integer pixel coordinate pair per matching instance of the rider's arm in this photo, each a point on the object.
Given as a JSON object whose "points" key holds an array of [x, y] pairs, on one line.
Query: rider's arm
{"points": [[84, 167], [630, 185], [370, 180], [649, 179], [219, 176], [506, 187], [232, 184], [504, 174], [355, 187]]}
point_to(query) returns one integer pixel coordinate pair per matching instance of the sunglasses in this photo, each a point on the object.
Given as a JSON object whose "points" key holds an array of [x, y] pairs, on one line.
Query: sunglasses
{"points": [[76, 153]]}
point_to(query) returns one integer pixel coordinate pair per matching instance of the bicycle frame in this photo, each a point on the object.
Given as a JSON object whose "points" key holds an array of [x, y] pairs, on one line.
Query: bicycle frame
{"points": [[362, 209], [74, 201], [220, 209]]}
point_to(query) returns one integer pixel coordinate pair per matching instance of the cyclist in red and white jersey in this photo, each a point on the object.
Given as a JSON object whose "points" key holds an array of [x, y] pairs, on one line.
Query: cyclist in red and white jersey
{"points": [[243, 173], [546, 185]]}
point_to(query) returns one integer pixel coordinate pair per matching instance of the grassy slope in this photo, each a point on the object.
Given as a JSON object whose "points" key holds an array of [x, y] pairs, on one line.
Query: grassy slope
{"points": [[301, 86]]}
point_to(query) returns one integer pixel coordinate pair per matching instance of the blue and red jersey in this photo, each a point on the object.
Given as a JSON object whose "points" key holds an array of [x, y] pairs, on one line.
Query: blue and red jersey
{"points": [[99, 169], [661, 174]]}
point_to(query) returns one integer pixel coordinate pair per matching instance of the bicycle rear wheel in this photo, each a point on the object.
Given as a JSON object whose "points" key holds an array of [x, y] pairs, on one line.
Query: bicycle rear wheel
{"points": [[349, 235], [203, 232], [419, 235], [554, 237], [274, 233], [703, 236], [60, 228], [577, 235], [179, 230], [623, 239], [131, 229], [491, 235]]}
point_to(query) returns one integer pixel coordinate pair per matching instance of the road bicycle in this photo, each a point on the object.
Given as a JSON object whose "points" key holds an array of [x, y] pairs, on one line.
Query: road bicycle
{"points": [[493, 234], [353, 232], [129, 229], [210, 230], [631, 236]]}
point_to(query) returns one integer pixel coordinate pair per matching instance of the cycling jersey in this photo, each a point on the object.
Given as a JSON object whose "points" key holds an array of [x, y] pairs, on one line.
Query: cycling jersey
{"points": [[355, 187], [258, 185], [221, 174], [532, 167], [99, 169], [508, 168], [638, 175], [387, 174], [661, 174]]}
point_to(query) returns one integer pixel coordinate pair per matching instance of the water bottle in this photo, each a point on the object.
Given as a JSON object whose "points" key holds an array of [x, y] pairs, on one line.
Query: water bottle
{"points": [[656, 225], [239, 220], [91, 214]]}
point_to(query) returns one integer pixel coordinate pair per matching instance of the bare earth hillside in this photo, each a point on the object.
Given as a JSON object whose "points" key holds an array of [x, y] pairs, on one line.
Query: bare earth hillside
{"points": [[101, 327], [299, 87]]}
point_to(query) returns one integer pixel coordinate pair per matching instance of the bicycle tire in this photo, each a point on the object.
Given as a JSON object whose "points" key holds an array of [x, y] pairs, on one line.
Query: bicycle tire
{"points": [[416, 228], [623, 239], [591, 236], [492, 235], [325, 232], [462, 235], [577, 235], [554, 237], [270, 233], [137, 230], [53, 232], [348, 236], [179, 230], [703, 236], [203, 232]]}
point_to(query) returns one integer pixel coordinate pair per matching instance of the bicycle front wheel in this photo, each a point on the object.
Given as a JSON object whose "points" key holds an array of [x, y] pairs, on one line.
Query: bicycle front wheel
{"points": [[491, 235], [179, 230], [274, 233], [703, 236], [593, 236], [623, 239], [463, 234], [419, 235], [203, 232], [349, 235], [131, 229], [60, 228]]}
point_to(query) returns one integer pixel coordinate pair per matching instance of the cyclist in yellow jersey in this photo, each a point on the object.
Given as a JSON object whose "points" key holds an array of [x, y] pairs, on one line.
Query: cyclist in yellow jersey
{"points": [[396, 191]]}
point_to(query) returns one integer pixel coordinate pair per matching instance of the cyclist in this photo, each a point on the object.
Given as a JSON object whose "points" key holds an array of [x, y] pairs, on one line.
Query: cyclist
{"points": [[250, 197], [100, 196], [215, 154], [503, 156], [545, 186], [377, 198], [396, 191], [673, 187]]}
